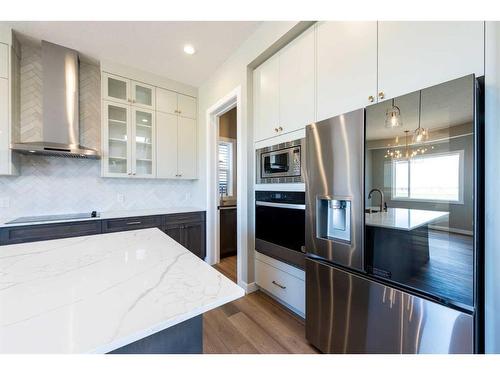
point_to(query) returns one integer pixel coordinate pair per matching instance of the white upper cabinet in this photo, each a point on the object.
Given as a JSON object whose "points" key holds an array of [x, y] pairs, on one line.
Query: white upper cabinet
{"points": [[346, 67], [414, 55], [186, 105], [177, 104], [4, 60], [143, 95], [4, 126], [284, 89], [166, 101], [266, 119], [126, 91], [116, 88], [296, 83]]}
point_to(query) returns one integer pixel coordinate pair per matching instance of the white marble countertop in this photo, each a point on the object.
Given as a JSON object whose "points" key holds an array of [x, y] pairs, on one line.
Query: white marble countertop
{"points": [[110, 215], [97, 293], [403, 218]]}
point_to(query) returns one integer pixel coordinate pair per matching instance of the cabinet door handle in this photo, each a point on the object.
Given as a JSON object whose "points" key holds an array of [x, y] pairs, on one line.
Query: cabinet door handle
{"points": [[381, 95], [371, 98], [279, 285], [133, 222]]}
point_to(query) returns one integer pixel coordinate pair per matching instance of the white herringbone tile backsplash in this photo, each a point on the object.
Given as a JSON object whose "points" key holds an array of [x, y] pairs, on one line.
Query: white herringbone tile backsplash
{"points": [[50, 185]]}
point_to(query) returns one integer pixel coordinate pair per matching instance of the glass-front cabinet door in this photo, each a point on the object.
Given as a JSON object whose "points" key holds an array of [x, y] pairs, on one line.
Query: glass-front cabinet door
{"points": [[142, 140], [116, 140], [116, 88], [143, 95]]}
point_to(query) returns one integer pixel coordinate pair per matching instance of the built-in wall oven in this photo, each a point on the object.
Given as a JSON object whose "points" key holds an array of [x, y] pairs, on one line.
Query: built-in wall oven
{"points": [[280, 225], [281, 163]]}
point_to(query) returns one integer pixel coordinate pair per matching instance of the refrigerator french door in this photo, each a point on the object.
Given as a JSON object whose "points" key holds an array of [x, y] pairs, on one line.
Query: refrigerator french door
{"points": [[392, 225]]}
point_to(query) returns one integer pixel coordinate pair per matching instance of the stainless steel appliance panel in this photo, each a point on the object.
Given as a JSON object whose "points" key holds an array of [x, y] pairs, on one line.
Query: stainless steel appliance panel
{"points": [[346, 313], [334, 189]]}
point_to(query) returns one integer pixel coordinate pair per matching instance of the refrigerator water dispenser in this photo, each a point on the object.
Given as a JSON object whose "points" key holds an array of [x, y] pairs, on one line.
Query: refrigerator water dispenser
{"points": [[334, 219]]}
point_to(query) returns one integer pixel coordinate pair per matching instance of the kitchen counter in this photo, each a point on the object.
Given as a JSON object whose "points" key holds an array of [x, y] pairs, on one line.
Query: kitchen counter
{"points": [[403, 218], [110, 215], [95, 294]]}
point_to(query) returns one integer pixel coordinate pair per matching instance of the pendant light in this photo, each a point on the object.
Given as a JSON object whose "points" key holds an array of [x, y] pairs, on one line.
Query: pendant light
{"points": [[420, 134], [393, 117]]}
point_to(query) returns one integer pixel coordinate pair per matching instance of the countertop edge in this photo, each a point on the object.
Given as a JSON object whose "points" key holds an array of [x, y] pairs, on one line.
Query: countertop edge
{"points": [[162, 326]]}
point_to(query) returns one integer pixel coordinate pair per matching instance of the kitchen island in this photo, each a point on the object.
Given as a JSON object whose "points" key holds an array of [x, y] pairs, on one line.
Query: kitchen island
{"points": [[397, 241], [126, 292]]}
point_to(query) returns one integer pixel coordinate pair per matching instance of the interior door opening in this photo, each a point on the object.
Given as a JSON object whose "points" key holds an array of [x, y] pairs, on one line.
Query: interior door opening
{"points": [[228, 190]]}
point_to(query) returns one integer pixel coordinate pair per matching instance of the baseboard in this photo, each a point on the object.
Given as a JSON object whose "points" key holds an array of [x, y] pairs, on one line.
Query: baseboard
{"points": [[249, 288]]}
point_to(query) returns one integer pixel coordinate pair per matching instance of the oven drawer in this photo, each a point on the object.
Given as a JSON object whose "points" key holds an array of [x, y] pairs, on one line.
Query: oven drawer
{"points": [[288, 288]]}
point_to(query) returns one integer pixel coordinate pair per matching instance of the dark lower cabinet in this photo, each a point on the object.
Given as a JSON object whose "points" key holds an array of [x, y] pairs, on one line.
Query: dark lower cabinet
{"points": [[227, 218], [43, 232], [188, 229]]}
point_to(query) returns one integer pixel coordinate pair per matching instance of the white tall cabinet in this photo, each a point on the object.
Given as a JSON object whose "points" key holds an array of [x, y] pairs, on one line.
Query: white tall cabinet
{"points": [[284, 90], [346, 66], [176, 135], [414, 55]]}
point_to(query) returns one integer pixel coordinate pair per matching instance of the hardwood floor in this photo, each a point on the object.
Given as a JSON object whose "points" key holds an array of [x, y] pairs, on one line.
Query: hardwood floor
{"points": [[227, 266], [252, 324]]}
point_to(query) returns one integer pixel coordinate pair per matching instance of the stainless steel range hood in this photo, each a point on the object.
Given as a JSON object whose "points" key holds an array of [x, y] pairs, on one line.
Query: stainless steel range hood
{"points": [[60, 127]]}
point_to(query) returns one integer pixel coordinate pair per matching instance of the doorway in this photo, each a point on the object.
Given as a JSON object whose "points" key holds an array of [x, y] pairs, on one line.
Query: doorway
{"points": [[228, 192], [229, 189]]}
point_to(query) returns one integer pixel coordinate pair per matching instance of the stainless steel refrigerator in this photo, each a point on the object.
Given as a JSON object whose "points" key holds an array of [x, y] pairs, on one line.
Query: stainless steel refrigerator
{"points": [[393, 231]]}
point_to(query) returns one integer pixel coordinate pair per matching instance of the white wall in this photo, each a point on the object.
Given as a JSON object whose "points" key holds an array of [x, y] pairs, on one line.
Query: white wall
{"points": [[233, 73], [492, 182]]}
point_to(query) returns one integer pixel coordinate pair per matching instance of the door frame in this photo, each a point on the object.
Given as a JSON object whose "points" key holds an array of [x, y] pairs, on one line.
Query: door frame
{"points": [[226, 103]]}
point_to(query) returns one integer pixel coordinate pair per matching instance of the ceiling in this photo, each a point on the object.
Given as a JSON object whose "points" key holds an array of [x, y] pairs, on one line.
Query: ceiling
{"points": [[155, 47], [443, 107]]}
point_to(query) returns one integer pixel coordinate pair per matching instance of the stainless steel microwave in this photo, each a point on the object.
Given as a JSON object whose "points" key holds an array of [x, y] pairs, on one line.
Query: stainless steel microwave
{"points": [[281, 163]]}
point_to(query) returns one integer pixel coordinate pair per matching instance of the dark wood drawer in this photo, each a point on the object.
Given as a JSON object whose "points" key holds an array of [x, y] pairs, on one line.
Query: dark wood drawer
{"points": [[130, 223], [41, 232], [186, 217]]}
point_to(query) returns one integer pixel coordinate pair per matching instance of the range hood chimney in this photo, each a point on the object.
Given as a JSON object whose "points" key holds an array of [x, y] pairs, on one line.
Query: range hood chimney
{"points": [[60, 127]]}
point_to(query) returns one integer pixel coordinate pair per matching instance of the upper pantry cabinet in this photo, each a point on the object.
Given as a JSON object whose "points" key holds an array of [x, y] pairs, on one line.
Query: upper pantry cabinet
{"points": [[168, 101], [126, 91], [296, 96], [346, 67], [284, 89], [413, 55], [266, 99]]}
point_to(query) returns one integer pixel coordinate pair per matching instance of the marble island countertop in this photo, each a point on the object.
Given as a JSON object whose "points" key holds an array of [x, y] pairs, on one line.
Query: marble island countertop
{"points": [[403, 218], [97, 293], [4, 222]]}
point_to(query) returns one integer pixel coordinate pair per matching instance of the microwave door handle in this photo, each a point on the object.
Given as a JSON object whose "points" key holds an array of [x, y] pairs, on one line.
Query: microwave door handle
{"points": [[281, 205]]}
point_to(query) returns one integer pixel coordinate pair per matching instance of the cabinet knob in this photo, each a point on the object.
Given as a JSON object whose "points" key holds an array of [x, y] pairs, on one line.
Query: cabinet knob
{"points": [[133, 173], [381, 95], [276, 130], [371, 98], [280, 129]]}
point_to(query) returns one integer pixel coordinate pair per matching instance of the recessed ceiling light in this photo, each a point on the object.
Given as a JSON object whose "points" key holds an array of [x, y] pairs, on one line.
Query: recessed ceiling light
{"points": [[189, 49]]}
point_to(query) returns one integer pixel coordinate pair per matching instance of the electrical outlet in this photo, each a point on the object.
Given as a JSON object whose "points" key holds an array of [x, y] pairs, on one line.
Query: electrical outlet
{"points": [[120, 198]]}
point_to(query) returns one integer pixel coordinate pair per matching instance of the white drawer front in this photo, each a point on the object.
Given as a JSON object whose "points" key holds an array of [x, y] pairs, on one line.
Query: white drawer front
{"points": [[286, 287]]}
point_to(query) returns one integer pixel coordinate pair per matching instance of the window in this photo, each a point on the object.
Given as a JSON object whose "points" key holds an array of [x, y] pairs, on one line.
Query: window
{"points": [[437, 177], [226, 168]]}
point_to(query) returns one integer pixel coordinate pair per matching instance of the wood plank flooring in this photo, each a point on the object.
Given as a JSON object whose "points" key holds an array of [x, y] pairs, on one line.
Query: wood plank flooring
{"points": [[252, 324]]}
